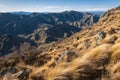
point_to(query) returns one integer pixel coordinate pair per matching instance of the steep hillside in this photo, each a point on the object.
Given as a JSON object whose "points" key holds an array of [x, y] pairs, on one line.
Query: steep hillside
{"points": [[91, 54]]}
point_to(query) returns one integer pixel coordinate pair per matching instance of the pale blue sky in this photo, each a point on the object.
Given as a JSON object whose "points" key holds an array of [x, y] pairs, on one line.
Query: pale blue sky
{"points": [[57, 5]]}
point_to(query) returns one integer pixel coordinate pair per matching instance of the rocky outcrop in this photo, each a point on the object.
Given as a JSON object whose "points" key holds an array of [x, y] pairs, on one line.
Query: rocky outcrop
{"points": [[13, 75]]}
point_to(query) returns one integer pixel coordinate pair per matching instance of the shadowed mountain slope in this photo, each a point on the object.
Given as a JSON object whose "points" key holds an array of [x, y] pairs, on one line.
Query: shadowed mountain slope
{"points": [[42, 28], [7, 42], [26, 24]]}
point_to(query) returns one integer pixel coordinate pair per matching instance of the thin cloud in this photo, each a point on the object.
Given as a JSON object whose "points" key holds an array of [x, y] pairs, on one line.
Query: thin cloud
{"points": [[56, 8], [1, 5], [97, 9], [52, 7]]}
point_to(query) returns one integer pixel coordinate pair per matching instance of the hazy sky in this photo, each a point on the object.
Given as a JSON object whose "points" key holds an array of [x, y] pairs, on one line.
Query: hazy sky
{"points": [[57, 5]]}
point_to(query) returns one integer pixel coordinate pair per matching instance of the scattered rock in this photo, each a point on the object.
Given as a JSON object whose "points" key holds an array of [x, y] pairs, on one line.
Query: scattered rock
{"points": [[112, 31], [69, 56], [8, 70], [62, 56], [12, 74], [8, 76], [22, 75], [100, 36]]}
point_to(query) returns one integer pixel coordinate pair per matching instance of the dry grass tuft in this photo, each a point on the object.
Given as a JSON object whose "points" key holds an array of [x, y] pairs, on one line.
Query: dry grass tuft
{"points": [[96, 52], [116, 76], [115, 57], [115, 72], [115, 47], [115, 68]]}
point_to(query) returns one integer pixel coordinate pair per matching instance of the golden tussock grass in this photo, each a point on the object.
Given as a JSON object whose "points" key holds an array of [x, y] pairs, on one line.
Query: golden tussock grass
{"points": [[100, 50], [115, 57], [37, 73], [115, 71], [95, 62], [118, 40], [115, 68], [82, 68], [76, 70], [115, 47]]}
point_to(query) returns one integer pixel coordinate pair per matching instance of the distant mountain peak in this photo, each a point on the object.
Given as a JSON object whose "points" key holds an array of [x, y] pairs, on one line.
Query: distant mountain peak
{"points": [[21, 12]]}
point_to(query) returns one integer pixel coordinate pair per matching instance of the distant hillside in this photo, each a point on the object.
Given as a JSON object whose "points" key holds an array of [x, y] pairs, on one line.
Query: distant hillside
{"points": [[21, 13], [26, 24], [8, 41], [44, 28], [96, 12], [27, 13]]}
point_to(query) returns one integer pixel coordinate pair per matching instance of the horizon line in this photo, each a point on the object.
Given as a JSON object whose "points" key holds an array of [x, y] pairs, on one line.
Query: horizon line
{"points": [[55, 11]]}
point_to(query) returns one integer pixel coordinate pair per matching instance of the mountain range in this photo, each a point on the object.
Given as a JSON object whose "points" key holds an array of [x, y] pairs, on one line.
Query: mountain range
{"points": [[27, 13], [40, 28]]}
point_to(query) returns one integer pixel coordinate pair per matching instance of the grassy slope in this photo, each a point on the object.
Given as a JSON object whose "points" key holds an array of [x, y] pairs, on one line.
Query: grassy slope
{"points": [[91, 61]]}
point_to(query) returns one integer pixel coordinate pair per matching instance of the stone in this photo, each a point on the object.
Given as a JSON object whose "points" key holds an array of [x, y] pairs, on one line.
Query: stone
{"points": [[100, 36]]}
